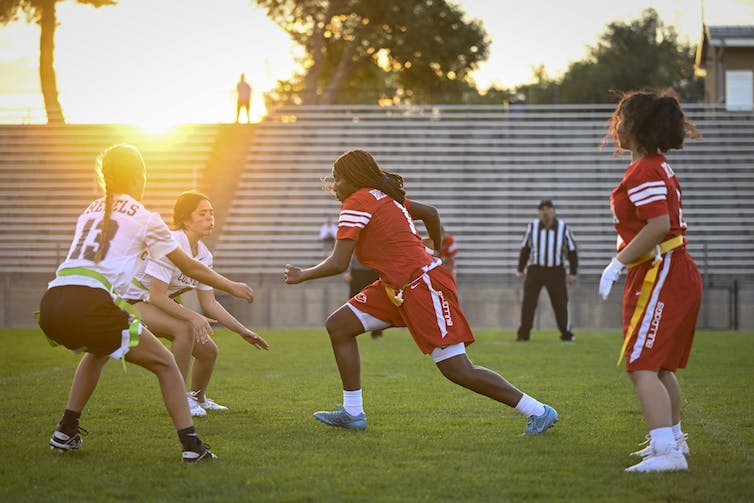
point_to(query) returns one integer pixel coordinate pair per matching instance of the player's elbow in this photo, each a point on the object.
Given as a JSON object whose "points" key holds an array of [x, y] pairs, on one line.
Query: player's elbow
{"points": [[339, 266]]}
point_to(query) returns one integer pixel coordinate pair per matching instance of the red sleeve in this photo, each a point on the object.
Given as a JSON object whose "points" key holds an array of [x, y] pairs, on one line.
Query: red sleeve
{"points": [[355, 214], [647, 189]]}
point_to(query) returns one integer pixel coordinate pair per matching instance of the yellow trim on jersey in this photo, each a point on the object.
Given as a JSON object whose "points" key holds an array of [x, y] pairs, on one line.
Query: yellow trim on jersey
{"points": [[664, 247], [647, 285]]}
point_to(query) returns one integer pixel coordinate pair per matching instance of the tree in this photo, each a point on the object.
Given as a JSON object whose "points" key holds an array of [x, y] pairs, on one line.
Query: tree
{"points": [[543, 91], [397, 50], [641, 54], [43, 12]]}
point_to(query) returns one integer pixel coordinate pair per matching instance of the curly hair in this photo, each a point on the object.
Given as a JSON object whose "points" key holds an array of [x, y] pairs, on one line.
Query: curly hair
{"points": [[360, 169], [652, 121]]}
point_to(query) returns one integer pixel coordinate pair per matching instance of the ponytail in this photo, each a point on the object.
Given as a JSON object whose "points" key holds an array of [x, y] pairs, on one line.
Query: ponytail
{"points": [[361, 170], [104, 238], [119, 169]]}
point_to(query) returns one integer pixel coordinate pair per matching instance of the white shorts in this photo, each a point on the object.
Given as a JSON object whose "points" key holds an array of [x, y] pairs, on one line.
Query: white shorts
{"points": [[439, 354]]}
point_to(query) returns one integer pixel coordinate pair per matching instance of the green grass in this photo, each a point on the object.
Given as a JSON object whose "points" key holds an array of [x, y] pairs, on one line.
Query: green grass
{"points": [[428, 440]]}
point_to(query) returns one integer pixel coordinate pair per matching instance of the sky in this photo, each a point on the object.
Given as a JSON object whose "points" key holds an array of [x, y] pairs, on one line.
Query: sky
{"points": [[140, 63]]}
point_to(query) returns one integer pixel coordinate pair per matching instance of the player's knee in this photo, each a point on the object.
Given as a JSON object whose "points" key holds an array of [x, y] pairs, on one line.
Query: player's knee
{"points": [[161, 361], [453, 370], [334, 328], [207, 351]]}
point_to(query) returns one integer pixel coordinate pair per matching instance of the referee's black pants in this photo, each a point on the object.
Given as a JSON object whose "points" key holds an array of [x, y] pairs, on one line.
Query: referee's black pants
{"points": [[554, 280]]}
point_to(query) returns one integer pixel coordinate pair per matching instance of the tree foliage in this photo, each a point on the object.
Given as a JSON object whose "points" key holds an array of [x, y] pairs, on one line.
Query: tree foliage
{"points": [[397, 50], [43, 13], [641, 54]]}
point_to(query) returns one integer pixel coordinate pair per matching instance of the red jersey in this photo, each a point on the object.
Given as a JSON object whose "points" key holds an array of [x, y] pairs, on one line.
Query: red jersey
{"points": [[648, 189], [385, 235]]}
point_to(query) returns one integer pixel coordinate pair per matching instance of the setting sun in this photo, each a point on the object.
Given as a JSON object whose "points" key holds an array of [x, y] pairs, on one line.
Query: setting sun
{"points": [[159, 64]]}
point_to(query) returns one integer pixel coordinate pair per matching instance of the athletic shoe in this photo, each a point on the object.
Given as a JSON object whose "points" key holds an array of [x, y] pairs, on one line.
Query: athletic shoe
{"points": [[203, 454], [569, 337], [209, 404], [669, 461], [680, 444], [339, 417], [522, 338], [64, 443], [540, 424], [195, 407]]}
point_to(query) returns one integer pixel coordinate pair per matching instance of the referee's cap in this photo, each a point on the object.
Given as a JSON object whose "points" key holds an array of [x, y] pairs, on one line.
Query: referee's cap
{"points": [[545, 203]]}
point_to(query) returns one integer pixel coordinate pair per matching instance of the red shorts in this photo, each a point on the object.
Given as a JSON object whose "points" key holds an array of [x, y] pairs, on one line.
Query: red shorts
{"points": [[430, 310], [665, 331]]}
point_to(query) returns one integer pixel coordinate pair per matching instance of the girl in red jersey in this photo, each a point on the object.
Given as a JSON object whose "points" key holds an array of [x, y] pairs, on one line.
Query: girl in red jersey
{"points": [[376, 222], [663, 288]]}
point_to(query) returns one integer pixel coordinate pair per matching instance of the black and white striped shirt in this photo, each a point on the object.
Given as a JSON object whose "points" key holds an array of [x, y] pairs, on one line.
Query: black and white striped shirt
{"points": [[548, 247]]}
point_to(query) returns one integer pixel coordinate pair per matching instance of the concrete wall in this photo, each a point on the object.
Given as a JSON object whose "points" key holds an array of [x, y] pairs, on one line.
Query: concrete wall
{"points": [[489, 303]]}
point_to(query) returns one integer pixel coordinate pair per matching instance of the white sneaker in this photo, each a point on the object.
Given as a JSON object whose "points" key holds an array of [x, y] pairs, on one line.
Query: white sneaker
{"points": [[680, 444], [668, 461], [195, 407], [209, 404]]}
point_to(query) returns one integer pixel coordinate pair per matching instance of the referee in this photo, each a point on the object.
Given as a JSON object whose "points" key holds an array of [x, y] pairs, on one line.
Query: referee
{"points": [[546, 245]]}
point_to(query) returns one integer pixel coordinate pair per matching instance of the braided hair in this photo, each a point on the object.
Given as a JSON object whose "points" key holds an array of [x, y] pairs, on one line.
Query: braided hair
{"points": [[360, 169], [184, 206], [117, 167], [652, 121]]}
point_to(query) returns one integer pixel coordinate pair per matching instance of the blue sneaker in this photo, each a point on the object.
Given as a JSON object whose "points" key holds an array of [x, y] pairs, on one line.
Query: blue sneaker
{"points": [[540, 424], [339, 417]]}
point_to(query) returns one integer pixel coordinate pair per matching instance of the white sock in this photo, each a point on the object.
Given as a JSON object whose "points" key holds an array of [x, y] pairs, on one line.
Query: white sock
{"points": [[662, 439], [677, 431], [529, 406], [352, 402]]}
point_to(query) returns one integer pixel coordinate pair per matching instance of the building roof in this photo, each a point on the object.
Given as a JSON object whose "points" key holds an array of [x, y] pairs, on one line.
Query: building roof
{"points": [[724, 36]]}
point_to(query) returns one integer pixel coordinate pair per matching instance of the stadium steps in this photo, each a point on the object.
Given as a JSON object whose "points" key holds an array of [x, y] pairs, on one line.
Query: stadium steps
{"points": [[485, 168], [48, 177]]}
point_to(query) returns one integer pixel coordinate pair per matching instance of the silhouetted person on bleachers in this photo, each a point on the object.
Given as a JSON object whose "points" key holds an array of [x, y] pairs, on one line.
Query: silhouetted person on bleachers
{"points": [[243, 89]]}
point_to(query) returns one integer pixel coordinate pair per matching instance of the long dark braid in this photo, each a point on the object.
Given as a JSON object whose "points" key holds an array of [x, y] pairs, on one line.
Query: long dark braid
{"points": [[117, 168], [361, 170]]}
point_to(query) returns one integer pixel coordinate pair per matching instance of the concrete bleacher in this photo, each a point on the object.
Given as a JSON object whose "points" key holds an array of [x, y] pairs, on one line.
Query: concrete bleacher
{"points": [[48, 177], [485, 168]]}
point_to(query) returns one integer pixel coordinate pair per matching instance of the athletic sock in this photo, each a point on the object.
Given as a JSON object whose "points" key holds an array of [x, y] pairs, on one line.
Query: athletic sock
{"points": [[69, 424], [662, 439], [529, 406], [353, 402], [189, 439]]}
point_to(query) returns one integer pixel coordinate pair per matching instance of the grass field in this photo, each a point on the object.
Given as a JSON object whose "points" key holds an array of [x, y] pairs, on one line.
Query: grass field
{"points": [[427, 440]]}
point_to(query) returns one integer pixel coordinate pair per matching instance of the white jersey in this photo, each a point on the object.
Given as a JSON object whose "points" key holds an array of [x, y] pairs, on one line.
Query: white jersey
{"points": [[133, 230], [167, 272]]}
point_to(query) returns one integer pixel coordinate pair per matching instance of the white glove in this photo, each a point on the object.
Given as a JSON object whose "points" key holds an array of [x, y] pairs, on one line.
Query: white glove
{"points": [[609, 276]]}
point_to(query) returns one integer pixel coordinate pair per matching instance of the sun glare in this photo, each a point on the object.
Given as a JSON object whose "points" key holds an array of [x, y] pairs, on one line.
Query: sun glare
{"points": [[132, 63]]}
